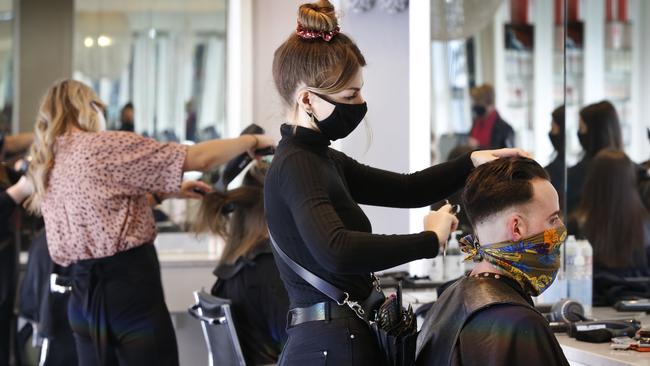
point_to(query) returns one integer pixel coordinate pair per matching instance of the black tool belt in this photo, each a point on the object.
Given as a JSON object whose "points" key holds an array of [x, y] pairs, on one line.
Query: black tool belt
{"points": [[318, 312]]}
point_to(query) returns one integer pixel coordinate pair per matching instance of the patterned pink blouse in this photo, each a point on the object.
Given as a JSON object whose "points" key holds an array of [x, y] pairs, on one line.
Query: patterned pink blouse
{"points": [[95, 204]]}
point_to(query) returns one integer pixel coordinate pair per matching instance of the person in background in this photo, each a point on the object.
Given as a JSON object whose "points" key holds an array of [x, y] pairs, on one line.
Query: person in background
{"points": [[599, 129], [247, 274], [487, 318], [646, 164], [90, 186], [613, 218], [313, 193], [644, 180], [489, 130], [556, 168], [48, 309], [10, 198], [190, 121], [126, 118]]}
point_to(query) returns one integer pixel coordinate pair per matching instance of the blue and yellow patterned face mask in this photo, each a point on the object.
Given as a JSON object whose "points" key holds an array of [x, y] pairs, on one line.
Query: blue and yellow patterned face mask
{"points": [[533, 262]]}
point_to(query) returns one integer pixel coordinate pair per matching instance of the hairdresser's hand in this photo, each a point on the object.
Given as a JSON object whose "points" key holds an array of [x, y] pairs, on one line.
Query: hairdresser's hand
{"points": [[260, 142], [190, 190], [485, 156], [441, 222], [21, 190]]}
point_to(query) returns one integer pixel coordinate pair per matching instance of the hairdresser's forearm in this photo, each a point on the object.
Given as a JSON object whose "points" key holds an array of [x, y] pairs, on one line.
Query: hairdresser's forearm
{"points": [[205, 155], [18, 143]]}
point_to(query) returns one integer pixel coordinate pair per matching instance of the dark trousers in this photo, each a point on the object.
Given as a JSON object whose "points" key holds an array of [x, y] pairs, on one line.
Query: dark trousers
{"points": [[117, 311], [341, 342], [6, 323], [7, 297]]}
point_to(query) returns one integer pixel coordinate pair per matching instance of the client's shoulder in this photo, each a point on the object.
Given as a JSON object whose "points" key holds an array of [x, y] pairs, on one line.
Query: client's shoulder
{"points": [[508, 316]]}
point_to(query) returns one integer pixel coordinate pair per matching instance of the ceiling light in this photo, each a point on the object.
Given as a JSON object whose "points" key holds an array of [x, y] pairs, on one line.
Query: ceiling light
{"points": [[104, 41]]}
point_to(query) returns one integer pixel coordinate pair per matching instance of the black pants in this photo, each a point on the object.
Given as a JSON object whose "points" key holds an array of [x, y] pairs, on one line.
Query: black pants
{"points": [[7, 297], [341, 342], [6, 323], [117, 311]]}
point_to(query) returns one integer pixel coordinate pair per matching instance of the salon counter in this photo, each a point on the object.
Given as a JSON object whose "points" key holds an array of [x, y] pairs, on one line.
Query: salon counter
{"points": [[600, 354], [186, 265], [578, 353]]}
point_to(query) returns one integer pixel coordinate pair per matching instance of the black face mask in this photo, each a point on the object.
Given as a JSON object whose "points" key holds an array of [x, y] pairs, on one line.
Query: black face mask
{"points": [[556, 140], [344, 119], [479, 110], [582, 137]]}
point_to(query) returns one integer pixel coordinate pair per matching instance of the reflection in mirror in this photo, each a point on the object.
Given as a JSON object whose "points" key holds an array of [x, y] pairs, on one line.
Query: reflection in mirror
{"points": [[497, 70], [608, 147], [497, 75], [605, 109], [158, 65], [6, 66]]}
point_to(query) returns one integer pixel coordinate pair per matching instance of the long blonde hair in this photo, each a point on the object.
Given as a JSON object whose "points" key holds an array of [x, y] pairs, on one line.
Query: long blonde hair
{"points": [[68, 104]]}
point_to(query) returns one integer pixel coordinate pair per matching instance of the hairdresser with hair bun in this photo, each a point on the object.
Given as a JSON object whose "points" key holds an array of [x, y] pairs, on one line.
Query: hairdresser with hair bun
{"points": [[312, 194], [246, 273], [90, 186]]}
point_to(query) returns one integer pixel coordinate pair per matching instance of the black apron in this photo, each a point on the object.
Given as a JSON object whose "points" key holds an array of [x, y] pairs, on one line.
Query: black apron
{"points": [[438, 338]]}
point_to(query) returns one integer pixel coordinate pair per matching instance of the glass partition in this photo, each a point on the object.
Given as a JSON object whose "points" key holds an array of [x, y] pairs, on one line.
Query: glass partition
{"points": [[496, 62], [159, 65], [6, 65], [607, 44]]}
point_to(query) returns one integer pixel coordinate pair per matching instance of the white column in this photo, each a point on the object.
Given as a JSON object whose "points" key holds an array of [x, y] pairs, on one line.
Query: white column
{"points": [[420, 96], [594, 51], [239, 67], [640, 148], [543, 80]]}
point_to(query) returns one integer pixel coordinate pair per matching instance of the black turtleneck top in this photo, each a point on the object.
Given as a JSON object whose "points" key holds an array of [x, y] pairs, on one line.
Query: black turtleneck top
{"points": [[312, 195]]}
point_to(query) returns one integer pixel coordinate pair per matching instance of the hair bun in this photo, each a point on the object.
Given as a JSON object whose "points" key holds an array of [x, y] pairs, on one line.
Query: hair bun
{"points": [[318, 17]]}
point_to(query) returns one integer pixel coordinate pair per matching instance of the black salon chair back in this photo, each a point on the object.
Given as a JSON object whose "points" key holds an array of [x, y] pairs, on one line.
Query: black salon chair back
{"points": [[218, 329]]}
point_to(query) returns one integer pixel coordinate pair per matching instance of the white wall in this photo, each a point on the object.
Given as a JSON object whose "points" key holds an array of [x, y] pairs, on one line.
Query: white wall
{"points": [[384, 40], [273, 22]]}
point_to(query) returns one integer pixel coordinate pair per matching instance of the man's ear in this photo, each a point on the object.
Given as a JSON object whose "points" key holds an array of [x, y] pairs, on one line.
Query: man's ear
{"points": [[303, 98], [516, 227]]}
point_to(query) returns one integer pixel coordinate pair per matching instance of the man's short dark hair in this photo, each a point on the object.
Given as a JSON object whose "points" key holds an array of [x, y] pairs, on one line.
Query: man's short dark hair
{"points": [[500, 184]]}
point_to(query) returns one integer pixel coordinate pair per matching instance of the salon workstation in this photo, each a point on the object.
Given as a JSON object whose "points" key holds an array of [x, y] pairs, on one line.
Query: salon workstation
{"points": [[324, 182]]}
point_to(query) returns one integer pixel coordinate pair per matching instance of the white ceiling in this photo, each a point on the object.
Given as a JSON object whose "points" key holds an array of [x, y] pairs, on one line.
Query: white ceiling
{"points": [[128, 6]]}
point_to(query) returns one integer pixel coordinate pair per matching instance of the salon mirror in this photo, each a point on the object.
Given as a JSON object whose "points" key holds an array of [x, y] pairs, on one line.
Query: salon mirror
{"points": [[496, 64], [6, 65], [160, 66], [607, 83]]}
